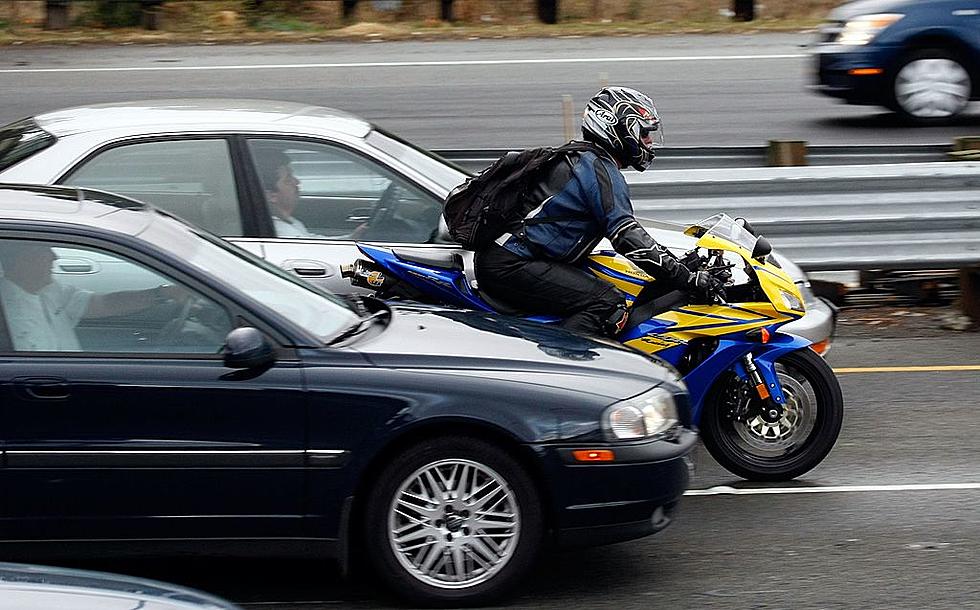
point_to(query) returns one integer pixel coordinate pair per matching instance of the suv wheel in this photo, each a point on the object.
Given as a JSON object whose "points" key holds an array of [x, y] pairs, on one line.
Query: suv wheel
{"points": [[453, 521], [930, 86]]}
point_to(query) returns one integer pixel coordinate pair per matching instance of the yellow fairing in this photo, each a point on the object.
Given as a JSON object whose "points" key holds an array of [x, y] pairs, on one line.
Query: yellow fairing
{"points": [[624, 267], [773, 280], [693, 321]]}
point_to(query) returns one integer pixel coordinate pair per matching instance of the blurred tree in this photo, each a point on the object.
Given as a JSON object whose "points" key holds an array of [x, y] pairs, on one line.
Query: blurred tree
{"points": [[446, 10], [56, 14], [744, 10], [349, 6], [548, 11]]}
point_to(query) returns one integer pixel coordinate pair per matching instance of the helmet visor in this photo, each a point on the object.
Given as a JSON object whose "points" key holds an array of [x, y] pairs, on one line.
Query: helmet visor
{"points": [[652, 133]]}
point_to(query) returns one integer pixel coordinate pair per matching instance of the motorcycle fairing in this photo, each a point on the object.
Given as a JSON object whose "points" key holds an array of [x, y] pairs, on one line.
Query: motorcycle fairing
{"points": [[679, 325], [728, 355]]}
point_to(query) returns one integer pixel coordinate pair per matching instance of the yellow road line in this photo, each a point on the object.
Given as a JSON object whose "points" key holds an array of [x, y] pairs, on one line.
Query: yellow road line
{"points": [[908, 369]]}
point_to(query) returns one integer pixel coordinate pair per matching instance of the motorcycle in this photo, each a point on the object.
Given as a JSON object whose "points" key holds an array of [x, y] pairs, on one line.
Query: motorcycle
{"points": [[769, 408]]}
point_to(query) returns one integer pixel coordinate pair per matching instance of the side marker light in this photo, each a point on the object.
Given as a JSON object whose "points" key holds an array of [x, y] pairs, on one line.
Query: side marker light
{"points": [[865, 71], [821, 347], [594, 455]]}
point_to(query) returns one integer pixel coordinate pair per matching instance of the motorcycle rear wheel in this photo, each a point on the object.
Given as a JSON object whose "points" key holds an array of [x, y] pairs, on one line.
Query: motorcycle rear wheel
{"points": [[759, 451]]}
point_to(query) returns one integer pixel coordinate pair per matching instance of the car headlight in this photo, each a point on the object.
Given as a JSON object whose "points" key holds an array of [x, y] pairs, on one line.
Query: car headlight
{"points": [[862, 30], [645, 416], [791, 301]]}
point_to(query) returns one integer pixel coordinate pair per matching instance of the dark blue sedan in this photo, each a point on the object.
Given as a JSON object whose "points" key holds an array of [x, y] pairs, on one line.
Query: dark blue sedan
{"points": [[920, 58], [165, 390]]}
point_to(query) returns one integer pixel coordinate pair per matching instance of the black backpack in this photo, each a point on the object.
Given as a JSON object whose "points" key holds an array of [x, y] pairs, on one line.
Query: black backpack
{"points": [[495, 201]]}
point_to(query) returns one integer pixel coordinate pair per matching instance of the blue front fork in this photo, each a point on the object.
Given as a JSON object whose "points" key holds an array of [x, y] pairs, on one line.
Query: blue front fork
{"points": [[729, 355]]}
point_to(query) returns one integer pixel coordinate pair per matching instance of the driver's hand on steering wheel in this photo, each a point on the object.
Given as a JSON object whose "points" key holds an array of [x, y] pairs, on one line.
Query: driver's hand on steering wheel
{"points": [[359, 232]]}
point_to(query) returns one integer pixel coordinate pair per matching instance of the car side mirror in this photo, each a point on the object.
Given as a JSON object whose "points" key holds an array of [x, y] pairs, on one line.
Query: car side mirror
{"points": [[248, 348], [762, 248]]}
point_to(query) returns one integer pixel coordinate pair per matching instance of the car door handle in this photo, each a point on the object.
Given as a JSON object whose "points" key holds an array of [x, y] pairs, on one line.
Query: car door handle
{"points": [[310, 272], [41, 388], [308, 268]]}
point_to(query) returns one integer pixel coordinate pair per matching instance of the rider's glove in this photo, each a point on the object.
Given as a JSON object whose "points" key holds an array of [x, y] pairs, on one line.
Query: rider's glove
{"points": [[706, 286], [691, 260]]}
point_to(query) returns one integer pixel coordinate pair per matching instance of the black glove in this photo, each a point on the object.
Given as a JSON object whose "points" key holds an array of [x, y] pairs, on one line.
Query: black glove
{"points": [[706, 286], [691, 260]]}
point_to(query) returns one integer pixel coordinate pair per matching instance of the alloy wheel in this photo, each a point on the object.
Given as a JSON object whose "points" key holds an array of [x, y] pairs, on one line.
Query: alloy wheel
{"points": [[932, 88], [762, 438], [454, 524]]}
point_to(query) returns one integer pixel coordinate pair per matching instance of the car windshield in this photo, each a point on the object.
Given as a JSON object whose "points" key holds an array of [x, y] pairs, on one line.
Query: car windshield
{"points": [[21, 140], [319, 312], [427, 163], [725, 227]]}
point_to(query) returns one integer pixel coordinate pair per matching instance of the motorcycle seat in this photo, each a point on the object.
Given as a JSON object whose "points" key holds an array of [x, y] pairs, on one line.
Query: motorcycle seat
{"points": [[441, 260]]}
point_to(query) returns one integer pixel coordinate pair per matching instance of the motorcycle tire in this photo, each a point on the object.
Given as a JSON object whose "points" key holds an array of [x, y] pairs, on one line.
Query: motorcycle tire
{"points": [[780, 451]]}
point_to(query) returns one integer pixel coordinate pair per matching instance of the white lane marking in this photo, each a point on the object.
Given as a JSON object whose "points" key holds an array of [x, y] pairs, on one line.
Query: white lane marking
{"points": [[408, 64], [724, 490]]}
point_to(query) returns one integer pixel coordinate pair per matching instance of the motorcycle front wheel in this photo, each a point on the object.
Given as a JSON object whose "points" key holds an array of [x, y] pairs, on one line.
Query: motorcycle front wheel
{"points": [[758, 450]]}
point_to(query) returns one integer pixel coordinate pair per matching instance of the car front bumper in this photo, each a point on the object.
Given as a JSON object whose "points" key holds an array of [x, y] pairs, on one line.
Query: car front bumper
{"points": [[635, 496], [818, 325], [833, 73]]}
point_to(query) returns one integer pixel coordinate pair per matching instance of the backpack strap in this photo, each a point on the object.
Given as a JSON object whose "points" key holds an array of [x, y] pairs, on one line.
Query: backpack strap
{"points": [[564, 150]]}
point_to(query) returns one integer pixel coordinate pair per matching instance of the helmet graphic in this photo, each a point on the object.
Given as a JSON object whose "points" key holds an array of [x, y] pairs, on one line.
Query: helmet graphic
{"points": [[625, 123]]}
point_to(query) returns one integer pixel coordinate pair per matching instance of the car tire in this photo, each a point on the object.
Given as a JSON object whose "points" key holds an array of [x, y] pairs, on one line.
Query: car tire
{"points": [[930, 86], [453, 522]]}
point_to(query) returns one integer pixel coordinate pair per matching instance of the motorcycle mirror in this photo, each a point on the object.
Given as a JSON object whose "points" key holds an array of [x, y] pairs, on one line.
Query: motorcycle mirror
{"points": [[762, 248], [745, 225]]}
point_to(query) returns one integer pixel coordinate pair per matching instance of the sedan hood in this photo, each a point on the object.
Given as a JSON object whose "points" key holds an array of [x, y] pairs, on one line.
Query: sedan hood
{"points": [[865, 7], [491, 345]]}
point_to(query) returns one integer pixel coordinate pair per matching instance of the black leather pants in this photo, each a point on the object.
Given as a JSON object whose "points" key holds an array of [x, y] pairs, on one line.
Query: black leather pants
{"points": [[544, 287]]}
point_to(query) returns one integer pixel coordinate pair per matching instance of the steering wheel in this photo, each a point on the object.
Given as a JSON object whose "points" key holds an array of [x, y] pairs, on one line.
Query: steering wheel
{"points": [[169, 335], [384, 211]]}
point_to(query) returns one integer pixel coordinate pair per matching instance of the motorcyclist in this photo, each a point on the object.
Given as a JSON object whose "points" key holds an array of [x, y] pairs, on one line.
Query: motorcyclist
{"points": [[584, 197]]}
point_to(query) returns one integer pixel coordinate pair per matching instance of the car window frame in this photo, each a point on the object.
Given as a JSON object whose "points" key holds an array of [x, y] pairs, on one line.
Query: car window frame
{"points": [[239, 315], [259, 197], [246, 211]]}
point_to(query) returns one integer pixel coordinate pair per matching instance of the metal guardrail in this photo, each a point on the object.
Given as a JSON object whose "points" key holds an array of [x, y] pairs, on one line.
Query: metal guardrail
{"points": [[911, 216], [705, 157], [853, 207]]}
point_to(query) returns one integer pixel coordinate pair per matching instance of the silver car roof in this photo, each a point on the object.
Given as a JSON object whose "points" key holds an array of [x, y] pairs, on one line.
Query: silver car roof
{"points": [[200, 114]]}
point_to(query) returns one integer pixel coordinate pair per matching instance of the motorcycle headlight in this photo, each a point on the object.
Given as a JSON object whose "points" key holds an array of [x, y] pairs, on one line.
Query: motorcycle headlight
{"points": [[862, 30], [791, 301], [645, 416]]}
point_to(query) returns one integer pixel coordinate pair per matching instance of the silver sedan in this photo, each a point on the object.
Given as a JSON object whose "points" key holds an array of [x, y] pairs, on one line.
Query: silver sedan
{"points": [[198, 160]]}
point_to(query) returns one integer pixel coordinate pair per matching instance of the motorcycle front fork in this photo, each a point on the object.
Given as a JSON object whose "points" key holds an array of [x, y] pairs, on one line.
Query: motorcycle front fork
{"points": [[765, 386]]}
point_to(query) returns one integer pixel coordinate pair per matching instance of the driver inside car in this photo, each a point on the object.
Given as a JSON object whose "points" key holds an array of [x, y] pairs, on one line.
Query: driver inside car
{"points": [[281, 190], [42, 312]]}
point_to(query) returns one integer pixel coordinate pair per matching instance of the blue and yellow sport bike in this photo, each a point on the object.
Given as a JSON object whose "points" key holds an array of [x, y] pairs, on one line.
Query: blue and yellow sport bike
{"points": [[769, 408]]}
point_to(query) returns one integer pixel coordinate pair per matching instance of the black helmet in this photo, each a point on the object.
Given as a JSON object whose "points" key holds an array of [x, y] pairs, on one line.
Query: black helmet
{"points": [[625, 123]]}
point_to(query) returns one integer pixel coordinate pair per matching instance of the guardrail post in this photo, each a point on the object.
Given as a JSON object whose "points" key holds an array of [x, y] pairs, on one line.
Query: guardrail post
{"points": [[567, 111], [970, 292], [786, 152], [966, 148]]}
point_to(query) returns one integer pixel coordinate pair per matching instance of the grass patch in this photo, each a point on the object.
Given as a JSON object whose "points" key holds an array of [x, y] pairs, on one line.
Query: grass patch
{"points": [[283, 23]]}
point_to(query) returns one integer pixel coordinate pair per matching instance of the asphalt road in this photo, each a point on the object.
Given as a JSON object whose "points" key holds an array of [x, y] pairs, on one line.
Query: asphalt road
{"points": [[880, 524], [877, 525], [711, 90]]}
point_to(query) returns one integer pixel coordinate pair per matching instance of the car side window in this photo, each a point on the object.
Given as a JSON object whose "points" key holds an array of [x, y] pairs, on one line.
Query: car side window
{"points": [[325, 191], [192, 179], [59, 297]]}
